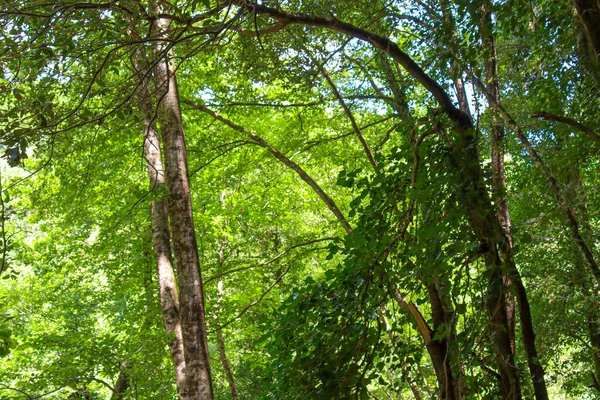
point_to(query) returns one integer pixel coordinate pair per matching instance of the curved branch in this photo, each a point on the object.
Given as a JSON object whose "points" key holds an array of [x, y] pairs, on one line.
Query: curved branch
{"points": [[350, 116], [458, 117], [569, 121], [281, 157], [255, 302]]}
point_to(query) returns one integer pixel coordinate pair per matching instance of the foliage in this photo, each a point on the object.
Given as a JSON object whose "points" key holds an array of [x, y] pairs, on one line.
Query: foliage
{"points": [[307, 307]]}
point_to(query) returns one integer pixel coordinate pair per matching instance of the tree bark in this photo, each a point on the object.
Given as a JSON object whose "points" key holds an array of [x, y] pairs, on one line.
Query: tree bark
{"points": [[512, 276], [497, 155], [185, 247], [161, 237], [588, 13], [121, 385], [437, 349], [220, 340]]}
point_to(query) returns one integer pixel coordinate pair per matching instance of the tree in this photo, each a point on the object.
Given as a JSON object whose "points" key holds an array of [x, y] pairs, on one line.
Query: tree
{"points": [[348, 200]]}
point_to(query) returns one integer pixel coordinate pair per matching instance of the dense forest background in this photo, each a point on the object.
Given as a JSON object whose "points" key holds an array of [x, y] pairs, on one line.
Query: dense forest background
{"points": [[299, 199]]}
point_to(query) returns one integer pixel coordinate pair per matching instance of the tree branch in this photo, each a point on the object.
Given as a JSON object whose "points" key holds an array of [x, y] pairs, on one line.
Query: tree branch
{"points": [[281, 157], [350, 116], [556, 189], [458, 117], [565, 120], [255, 302], [272, 260]]}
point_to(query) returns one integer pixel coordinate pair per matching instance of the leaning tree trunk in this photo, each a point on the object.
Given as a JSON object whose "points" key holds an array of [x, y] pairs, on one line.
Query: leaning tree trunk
{"points": [[161, 236], [437, 348], [185, 247]]}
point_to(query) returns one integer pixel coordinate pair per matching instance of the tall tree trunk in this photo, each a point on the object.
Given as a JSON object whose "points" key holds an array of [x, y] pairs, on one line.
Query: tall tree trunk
{"points": [[161, 236], [556, 190], [594, 327], [477, 204], [498, 175], [185, 247], [221, 341], [577, 192], [226, 367], [443, 318], [512, 277]]}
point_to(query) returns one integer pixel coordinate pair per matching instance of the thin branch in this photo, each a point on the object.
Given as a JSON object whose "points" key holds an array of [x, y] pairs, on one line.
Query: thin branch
{"points": [[259, 104], [257, 33], [227, 150], [112, 389], [350, 116], [281, 157], [312, 143], [3, 228], [255, 302], [272, 260], [412, 309], [347, 110], [412, 19], [565, 120], [33, 397]]}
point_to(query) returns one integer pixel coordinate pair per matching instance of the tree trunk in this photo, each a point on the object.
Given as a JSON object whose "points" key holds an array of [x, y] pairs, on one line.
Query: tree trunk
{"points": [[482, 220], [512, 276], [594, 327], [437, 349], [226, 367], [121, 385], [443, 319], [185, 248], [161, 236], [221, 341], [593, 321], [588, 14]]}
